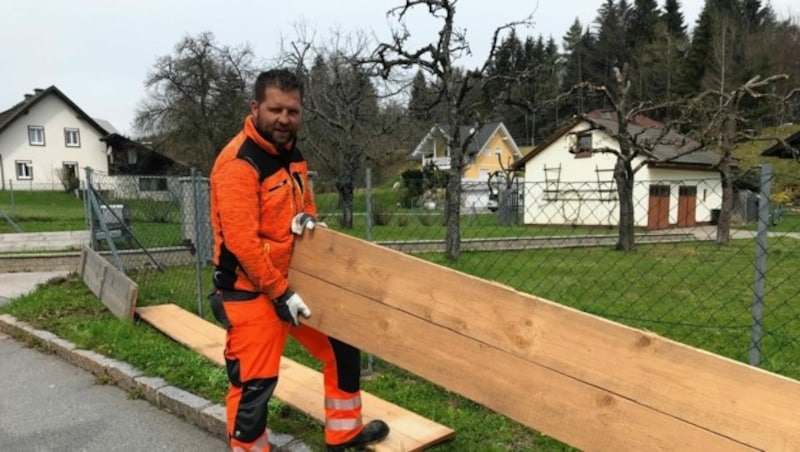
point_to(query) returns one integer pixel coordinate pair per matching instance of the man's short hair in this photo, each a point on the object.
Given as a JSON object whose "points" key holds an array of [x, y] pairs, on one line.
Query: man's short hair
{"points": [[283, 79]]}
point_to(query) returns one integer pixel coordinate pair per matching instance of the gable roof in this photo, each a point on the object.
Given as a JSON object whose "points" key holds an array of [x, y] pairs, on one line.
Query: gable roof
{"points": [[644, 130], [8, 117], [479, 141], [781, 151]]}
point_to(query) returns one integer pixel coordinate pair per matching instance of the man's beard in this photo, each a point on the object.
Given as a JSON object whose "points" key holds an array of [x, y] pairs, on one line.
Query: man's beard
{"points": [[289, 135]]}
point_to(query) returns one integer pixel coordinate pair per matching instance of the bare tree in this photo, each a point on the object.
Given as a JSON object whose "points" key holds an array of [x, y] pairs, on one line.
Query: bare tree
{"points": [[438, 60], [637, 143], [197, 99], [344, 123], [721, 113]]}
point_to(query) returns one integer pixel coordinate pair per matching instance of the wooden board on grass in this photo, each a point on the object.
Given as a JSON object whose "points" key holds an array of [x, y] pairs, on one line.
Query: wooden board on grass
{"points": [[298, 386], [114, 289], [592, 383]]}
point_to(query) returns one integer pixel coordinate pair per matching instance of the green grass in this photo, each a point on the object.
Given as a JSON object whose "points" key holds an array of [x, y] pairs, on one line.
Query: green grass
{"points": [[749, 155], [37, 211]]}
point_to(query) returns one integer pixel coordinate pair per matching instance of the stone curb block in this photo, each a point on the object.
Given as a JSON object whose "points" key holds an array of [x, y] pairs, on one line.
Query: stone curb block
{"points": [[182, 403], [42, 337], [124, 375], [63, 348], [149, 386], [214, 420], [9, 325], [90, 360]]}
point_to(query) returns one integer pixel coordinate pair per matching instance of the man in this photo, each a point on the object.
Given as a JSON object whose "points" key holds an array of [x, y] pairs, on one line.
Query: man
{"points": [[261, 199]]}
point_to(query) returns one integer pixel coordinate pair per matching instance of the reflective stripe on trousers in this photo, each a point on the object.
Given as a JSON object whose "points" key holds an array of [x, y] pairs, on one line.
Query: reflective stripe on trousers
{"points": [[352, 403], [259, 445], [343, 415]]}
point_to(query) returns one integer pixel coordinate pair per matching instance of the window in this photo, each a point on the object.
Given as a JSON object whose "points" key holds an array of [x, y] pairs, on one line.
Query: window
{"points": [[584, 148], [585, 142], [24, 170], [36, 135], [153, 184], [72, 138]]}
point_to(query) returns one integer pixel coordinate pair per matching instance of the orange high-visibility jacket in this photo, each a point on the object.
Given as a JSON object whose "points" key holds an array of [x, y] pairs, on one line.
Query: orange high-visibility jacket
{"points": [[256, 190]]}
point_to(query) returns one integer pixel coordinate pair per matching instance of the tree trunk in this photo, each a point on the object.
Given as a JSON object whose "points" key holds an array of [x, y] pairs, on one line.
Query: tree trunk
{"points": [[623, 176], [346, 203], [506, 208], [727, 143], [726, 211], [452, 208]]}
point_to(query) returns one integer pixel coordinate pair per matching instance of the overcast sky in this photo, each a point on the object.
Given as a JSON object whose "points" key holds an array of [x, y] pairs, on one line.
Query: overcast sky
{"points": [[98, 52]]}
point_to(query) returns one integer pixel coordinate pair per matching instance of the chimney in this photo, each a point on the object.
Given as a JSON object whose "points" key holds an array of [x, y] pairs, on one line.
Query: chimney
{"points": [[36, 92]]}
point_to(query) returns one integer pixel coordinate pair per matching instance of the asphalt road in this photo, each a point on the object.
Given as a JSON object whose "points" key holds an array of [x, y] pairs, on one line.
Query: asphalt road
{"points": [[47, 405]]}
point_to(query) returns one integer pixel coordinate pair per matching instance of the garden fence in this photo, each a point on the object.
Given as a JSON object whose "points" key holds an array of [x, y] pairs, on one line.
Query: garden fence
{"points": [[737, 296]]}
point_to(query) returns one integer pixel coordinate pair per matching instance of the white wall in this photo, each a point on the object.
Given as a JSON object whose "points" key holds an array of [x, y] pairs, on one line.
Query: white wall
{"points": [[573, 195], [709, 190], [54, 115]]}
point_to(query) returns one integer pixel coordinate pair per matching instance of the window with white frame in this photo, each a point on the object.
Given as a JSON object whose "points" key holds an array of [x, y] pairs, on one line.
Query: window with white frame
{"points": [[36, 135], [72, 138], [24, 169]]}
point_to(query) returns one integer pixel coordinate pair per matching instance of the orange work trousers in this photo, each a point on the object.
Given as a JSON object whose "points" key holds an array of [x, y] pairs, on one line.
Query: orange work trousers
{"points": [[254, 343]]}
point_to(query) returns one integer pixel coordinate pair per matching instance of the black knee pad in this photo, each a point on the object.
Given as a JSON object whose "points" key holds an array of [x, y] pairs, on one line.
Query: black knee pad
{"points": [[251, 417]]}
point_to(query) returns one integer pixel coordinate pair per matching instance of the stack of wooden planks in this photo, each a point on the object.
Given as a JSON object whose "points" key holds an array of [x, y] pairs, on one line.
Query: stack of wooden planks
{"points": [[592, 383]]}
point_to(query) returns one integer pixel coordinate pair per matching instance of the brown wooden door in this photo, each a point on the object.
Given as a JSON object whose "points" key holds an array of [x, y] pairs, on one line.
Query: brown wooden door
{"points": [[658, 208], [687, 206]]}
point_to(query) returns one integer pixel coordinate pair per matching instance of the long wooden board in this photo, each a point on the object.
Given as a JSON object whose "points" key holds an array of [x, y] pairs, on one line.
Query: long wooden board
{"points": [[299, 386], [589, 382]]}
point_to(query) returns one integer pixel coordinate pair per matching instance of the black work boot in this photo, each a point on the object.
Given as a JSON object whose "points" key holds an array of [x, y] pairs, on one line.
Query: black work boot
{"points": [[373, 432]]}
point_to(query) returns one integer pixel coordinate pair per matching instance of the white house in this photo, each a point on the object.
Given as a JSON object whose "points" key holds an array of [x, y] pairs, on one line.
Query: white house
{"points": [[569, 180], [491, 149], [47, 139]]}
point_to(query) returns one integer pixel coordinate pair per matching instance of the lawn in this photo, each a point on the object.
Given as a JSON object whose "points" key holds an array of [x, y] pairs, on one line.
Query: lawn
{"points": [[37, 211]]}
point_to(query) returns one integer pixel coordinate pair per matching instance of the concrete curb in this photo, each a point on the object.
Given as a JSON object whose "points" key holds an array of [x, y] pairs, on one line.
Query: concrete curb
{"points": [[196, 410]]}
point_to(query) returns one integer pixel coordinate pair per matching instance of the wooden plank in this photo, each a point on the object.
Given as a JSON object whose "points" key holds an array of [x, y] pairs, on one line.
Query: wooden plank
{"points": [[114, 289], [577, 413], [698, 389], [298, 386], [92, 271]]}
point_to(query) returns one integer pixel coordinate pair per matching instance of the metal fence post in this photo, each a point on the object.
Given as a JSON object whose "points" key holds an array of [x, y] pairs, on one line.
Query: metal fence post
{"points": [[199, 247], [759, 283], [13, 204], [368, 188], [88, 208]]}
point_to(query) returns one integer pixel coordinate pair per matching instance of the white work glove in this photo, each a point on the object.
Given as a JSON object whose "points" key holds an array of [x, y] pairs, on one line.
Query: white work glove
{"points": [[288, 305], [303, 221]]}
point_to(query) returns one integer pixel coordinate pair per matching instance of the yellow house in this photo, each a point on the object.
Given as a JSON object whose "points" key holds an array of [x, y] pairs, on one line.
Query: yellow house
{"points": [[491, 150], [490, 146]]}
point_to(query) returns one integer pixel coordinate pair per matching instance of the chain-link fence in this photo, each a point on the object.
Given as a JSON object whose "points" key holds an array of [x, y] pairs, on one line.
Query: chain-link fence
{"points": [[735, 294]]}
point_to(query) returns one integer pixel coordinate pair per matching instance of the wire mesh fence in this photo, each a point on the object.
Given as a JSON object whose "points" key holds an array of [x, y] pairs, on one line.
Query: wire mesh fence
{"points": [[735, 294]]}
